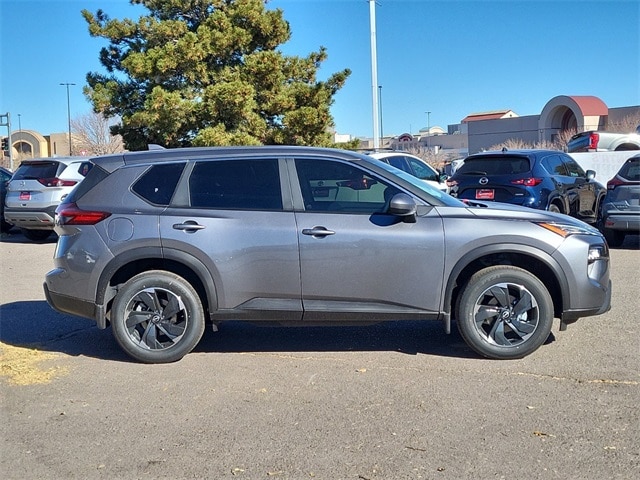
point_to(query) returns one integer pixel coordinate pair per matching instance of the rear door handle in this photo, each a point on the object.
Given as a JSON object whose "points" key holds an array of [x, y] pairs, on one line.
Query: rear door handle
{"points": [[189, 226], [317, 232]]}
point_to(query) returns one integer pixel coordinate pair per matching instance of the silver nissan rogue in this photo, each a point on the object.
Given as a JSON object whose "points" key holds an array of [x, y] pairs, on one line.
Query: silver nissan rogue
{"points": [[161, 242]]}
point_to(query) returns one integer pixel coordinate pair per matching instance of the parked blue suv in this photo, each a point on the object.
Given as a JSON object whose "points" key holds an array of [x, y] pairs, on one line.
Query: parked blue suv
{"points": [[542, 179]]}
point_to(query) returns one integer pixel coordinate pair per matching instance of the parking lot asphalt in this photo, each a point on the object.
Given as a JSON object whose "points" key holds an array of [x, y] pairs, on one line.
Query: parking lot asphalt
{"points": [[389, 401]]}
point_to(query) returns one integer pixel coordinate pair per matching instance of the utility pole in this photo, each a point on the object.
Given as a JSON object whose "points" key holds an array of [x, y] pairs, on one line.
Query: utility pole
{"points": [[374, 74], [380, 100], [428, 131], [5, 121], [69, 113]]}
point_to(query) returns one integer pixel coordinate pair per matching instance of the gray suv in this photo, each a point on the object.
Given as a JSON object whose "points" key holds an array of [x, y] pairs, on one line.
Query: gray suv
{"points": [[159, 243]]}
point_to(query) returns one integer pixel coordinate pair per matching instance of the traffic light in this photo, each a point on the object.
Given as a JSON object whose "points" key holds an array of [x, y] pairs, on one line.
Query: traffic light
{"points": [[5, 144]]}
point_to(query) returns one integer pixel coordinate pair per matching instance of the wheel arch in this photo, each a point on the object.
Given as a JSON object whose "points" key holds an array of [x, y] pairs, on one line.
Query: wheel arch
{"points": [[130, 263], [556, 199], [535, 261]]}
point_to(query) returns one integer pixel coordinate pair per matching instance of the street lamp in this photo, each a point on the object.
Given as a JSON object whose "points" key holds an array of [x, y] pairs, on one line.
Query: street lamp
{"points": [[380, 106], [428, 131], [68, 112]]}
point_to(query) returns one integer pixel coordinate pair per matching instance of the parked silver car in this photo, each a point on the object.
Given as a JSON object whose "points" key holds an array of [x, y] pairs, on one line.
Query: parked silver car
{"points": [[37, 188], [415, 166], [158, 242]]}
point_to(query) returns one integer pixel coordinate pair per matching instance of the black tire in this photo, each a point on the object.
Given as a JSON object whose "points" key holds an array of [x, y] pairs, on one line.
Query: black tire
{"points": [[36, 235], [504, 312], [615, 238], [139, 323], [4, 226]]}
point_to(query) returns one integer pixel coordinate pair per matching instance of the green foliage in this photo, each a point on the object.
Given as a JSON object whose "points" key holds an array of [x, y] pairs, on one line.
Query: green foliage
{"points": [[208, 72]]}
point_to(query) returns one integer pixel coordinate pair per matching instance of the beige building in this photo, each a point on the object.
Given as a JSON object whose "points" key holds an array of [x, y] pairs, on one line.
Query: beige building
{"points": [[479, 131]]}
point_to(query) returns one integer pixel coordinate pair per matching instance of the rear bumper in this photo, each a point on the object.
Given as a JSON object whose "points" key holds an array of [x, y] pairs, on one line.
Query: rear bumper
{"points": [[625, 222], [75, 306], [30, 218]]}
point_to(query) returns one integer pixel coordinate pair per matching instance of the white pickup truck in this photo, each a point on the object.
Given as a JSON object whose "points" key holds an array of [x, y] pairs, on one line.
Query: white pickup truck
{"points": [[592, 141]]}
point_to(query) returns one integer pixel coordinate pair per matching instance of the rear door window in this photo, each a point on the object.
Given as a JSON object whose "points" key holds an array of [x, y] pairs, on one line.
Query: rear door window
{"points": [[236, 184], [554, 166]]}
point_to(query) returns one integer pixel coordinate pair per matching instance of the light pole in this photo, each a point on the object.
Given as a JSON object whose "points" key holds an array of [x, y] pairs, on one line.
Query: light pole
{"points": [[380, 106], [428, 131], [20, 133], [374, 74], [69, 113]]}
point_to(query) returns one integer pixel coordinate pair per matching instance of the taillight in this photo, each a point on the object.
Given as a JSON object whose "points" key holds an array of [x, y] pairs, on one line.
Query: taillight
{"points": [[594, 138], [527, 182], [70, 214], [56, 182], [614, 182]]}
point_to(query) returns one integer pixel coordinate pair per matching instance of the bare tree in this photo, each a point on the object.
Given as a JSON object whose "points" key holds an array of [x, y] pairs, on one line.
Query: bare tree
{"points": [[627, 124], [92, 136]]}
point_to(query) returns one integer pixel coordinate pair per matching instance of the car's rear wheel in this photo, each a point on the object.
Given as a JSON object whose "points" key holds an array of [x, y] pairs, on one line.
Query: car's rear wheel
{"points": [[157, 317], [504, 312], [36, 235], [5, 226]]}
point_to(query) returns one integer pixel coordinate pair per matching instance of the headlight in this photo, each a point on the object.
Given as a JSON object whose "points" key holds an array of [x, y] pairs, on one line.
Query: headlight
{"points": [[597, 252], [565, 230]]}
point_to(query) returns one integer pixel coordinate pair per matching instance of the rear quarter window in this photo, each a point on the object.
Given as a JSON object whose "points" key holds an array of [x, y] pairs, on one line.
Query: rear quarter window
{"points": [[158, 184]]}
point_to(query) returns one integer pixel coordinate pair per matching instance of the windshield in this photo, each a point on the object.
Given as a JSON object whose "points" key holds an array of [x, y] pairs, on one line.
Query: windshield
{"points": [[445, 198]]}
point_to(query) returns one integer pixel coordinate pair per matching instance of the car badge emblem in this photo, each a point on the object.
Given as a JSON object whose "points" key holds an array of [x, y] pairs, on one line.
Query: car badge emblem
{"points": [[22, 183], [483, 181]]}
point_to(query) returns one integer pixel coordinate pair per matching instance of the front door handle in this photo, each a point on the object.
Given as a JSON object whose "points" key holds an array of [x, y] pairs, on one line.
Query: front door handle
{"points": [[189, 226], [317, 231]]}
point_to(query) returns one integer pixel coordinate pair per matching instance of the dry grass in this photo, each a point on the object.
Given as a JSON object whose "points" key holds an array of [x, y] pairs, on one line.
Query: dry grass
{"points": [[22, 366]]}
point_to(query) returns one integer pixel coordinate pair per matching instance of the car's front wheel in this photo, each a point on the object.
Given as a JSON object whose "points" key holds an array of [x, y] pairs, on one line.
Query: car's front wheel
{"points": [[504, 312], [157, 317]]}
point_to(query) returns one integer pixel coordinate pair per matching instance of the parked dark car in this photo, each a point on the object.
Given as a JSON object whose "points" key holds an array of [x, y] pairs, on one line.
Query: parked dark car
{"points": [[156, 243], [5, 176], [542, 179], [621, 206]]}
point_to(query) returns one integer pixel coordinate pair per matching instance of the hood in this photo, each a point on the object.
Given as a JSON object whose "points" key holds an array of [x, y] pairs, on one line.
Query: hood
{"points": [[507, 211]]}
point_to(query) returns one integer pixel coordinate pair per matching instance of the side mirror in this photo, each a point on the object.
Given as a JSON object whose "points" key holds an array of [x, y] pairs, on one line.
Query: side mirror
{"points": [[402, 205], [591, 174]]}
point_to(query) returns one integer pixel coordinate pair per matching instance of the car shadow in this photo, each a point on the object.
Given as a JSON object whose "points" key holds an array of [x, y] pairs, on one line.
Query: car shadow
{"points": [[631, 242], [14, 235], [33, 324]]}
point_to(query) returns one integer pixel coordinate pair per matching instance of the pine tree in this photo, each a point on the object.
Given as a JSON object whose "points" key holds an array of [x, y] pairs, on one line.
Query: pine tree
{"points": [[209, 72]]}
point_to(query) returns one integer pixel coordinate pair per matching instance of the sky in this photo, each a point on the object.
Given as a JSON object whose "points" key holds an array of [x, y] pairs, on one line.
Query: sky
{"points": [[447, 57]]}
